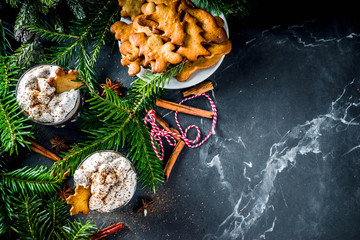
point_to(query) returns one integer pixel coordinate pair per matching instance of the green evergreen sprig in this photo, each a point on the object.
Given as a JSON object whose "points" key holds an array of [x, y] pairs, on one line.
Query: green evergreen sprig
{"points": [[5, 34], [31, 180], [28, 221], [35, 218], [77, 230], [5, 199], [6, 209], [56, 214], [26, 208], [120, 124], [49, 33], [28, 54], [76, 8], [237, 8], [13, 125], [118, 121]]}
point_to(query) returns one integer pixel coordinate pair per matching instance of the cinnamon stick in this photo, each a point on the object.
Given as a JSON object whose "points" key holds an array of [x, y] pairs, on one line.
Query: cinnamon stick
{"points": [[34, 146], [183, 108], [165, 125], [199, 89], [172, 159], [107, 231], [178, 147]]}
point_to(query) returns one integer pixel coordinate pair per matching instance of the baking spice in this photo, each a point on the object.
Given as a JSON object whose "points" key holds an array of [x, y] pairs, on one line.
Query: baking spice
{"points": [[183, 108], [145, 207], [107, 231], [178, 147], [172, 159], [199, 89], [64, 193], [112, 86], [59, 143], [165, 125], [34, 146]]}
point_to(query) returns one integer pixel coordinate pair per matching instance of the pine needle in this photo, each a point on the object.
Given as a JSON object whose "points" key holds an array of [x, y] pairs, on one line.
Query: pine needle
{"points": [[13, 125], [30, 181]]}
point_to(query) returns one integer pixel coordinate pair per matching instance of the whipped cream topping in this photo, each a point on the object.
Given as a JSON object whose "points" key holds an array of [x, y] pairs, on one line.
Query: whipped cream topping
{"points": [[39, 100], [112, 179]]}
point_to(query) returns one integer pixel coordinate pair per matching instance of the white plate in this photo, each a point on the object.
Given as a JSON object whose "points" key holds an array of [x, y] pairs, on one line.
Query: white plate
{"points": [[195, 78]]}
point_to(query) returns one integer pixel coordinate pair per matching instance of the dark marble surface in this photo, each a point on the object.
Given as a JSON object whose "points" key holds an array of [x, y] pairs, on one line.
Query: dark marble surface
{"points": [[284, 162]]}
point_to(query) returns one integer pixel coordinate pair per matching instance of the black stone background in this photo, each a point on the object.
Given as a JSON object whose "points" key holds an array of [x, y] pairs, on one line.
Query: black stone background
{"points": [[262, 90]]}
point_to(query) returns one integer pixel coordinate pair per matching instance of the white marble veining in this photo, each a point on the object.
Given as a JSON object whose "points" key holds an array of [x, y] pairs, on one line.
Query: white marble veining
{"points": [[304, 139]]}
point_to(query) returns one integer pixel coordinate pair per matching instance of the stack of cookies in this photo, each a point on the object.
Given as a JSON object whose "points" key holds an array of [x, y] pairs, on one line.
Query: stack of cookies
{"points": [[166, 32]]}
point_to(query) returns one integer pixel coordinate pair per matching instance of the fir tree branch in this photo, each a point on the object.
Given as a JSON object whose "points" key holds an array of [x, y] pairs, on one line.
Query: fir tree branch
{"points": [[28, 221], [5, 35], [86, 72], [13, 3], [3, 161], [13, 125], [101, 38], [76, 9], [50, 34], [27, 15], [112, 104], [8, 71], [103, 138], [66, 53], [8, 130], [76, 230], [29, 53], [35, 218], [62, 58], [57, 215], [238, 8], [55, 20], [49, 3], [6, 210], [146, 89], [118, 115], [149, 167], [30, 181]]}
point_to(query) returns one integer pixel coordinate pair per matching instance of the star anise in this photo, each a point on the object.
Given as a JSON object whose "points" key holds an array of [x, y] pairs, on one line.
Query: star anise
{"points": [[145, 207], [64, 193], [112, 86], [59, 143]]}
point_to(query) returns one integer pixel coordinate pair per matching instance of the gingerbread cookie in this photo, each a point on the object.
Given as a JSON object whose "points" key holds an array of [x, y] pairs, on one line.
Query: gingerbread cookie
{"points": [[193, 42], [219, 21], [122, 31], [169, 22], [162, 54], [155, 51], [65, 81], [165, 2], [79, 200], [141, 24], [212, 33], [200, 63], [129, 51], [219, 48], [140, 40], [130, 8], [148, 8], [184, 5], [134, 66]]}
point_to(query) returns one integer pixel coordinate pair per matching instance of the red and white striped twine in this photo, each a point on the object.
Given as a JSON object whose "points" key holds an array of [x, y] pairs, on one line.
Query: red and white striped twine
{"points": [[156, 132]]}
